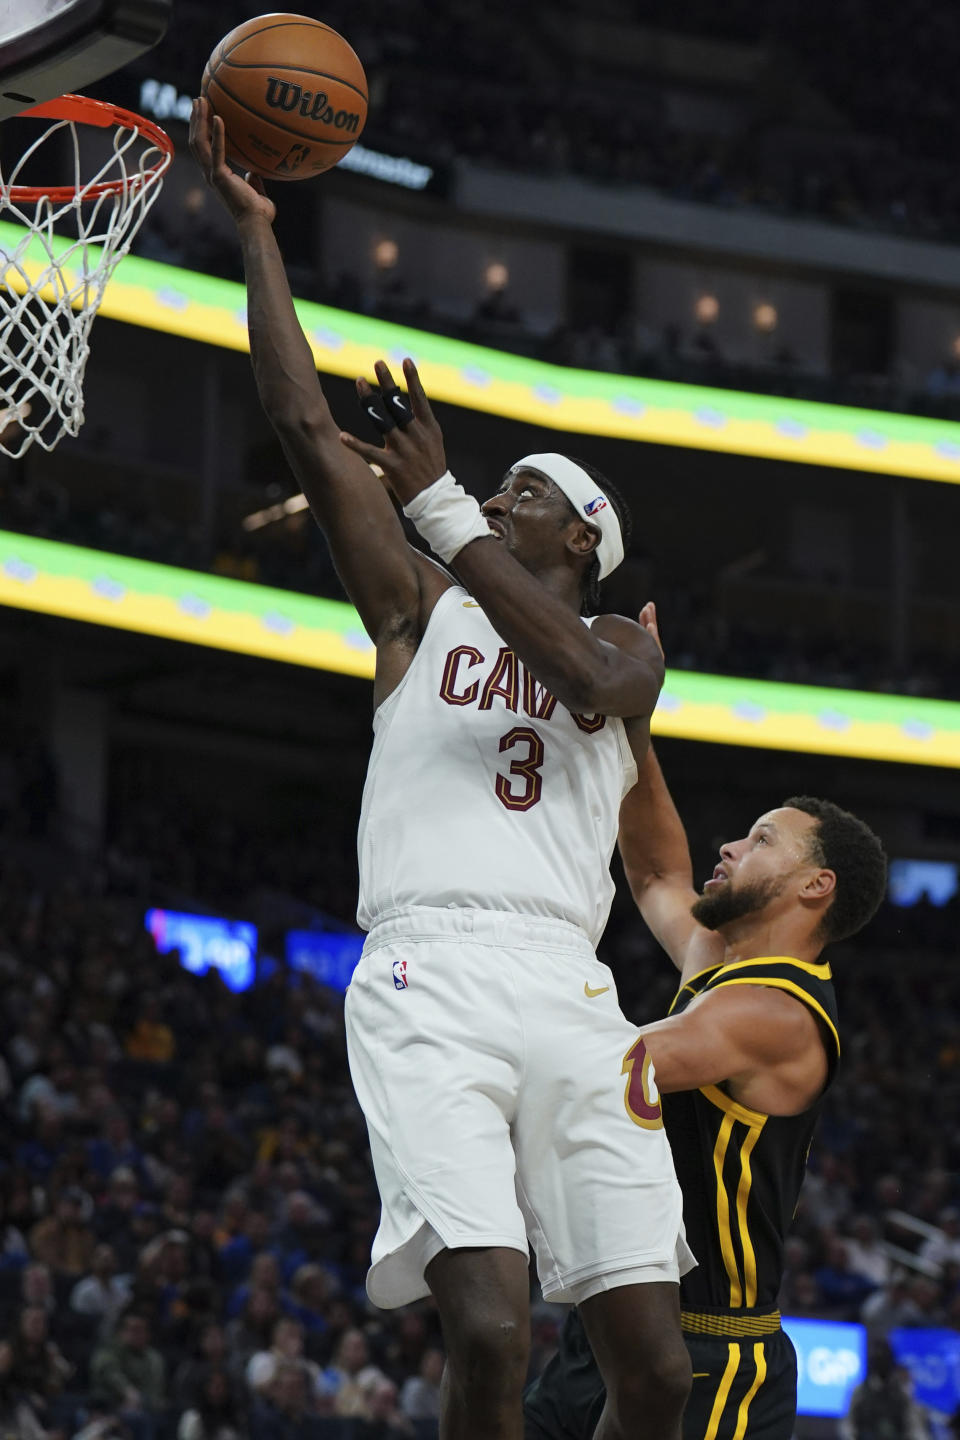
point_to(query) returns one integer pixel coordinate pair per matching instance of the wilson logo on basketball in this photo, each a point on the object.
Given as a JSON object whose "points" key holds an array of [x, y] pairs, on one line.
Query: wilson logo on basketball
{"points": [[285, 95]]}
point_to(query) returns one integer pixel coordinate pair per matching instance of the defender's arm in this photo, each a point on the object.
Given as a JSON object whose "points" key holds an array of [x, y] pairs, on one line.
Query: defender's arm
{"points": [[656, 857], [659, 871], [764, 1044]]}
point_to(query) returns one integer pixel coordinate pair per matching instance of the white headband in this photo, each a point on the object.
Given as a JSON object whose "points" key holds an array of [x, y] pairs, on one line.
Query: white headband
{"points": [[586, 498]]}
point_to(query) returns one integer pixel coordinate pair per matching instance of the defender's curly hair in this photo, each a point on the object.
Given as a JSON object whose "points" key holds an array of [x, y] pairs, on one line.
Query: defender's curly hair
{"points": [[844, 844]]}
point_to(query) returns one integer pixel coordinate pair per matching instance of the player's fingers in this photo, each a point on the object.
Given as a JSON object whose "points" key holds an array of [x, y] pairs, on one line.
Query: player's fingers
{"points": [[373, 454], [218, 143], [648, 619], [419, 403], [386, 408], [375, 408], [384, 376], [200, 132]]}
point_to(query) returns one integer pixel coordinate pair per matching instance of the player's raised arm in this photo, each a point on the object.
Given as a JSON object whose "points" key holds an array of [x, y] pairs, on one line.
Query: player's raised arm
{"points": [[381, 573], [656, 855], [613, 668]]}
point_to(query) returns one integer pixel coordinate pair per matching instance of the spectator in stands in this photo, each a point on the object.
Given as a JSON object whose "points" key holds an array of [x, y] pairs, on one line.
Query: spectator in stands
{"points": [[13, 1247], [113, 1154], [264, 1275], [103, 1292], [891, 1307], [385, 1419], [420, 1395], [27, 1047], [298, 1231], [19, 1415], [52, 1087], [351, 1373], [288, 1408], [36, 1288], [882, 1405], [220, 1149], [802, 1297], [286, 1348], [236, 1257], [234, 1210], [129, 1375], [150, 1039], [866, 1254], [310, 1291], [209, 1351], [115, 1213], [65, 1241], [496, 313], [943, 1248], [251, 1331], [215, 1413], [842, 1290], [42, 1152], [37, 1368], [825, 1197]]}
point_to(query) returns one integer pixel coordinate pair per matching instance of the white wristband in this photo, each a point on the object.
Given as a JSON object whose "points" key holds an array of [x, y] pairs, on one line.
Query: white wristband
{"points": [[447, 517]]}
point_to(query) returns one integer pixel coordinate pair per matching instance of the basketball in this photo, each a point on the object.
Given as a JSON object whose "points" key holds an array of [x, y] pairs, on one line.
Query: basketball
{"points": [[291, 93]]}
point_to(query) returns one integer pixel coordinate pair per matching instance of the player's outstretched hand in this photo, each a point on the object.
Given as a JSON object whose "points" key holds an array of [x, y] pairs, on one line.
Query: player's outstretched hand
{"points": [[243, 197], [412, 455], [648, 619]]}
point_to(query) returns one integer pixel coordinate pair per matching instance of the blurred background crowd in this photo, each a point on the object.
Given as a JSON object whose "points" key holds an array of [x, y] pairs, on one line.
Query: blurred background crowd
{"points": [[187, 1199]]}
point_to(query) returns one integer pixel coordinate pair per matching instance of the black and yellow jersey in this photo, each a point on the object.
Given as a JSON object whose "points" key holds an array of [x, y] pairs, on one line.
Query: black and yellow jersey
{"points": [[740, 1170]]}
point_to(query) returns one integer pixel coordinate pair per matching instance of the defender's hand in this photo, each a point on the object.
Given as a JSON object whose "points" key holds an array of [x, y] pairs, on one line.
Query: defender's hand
{"points": [[648, 619], [243, 197], [412, 456]]}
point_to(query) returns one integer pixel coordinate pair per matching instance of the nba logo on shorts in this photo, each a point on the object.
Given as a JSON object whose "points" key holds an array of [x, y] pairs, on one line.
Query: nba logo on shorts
{"points": [[593, 506], [400, 974]]}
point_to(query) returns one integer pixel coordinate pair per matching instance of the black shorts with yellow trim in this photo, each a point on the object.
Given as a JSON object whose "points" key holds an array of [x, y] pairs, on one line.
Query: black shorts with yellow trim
{"points": [[744, 1376], [744, 1381]]}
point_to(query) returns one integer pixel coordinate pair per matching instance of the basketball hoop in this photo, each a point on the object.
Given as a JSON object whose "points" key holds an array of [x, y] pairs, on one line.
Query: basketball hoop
{"points": [[51, 284]]}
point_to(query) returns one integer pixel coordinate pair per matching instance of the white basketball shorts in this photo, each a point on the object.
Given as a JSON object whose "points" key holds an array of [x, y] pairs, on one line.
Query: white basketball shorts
{"points": [[494, 1068]]}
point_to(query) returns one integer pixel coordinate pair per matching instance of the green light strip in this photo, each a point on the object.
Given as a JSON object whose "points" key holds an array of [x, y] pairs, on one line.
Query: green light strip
{"points": [[203, 308], [55, 579]]}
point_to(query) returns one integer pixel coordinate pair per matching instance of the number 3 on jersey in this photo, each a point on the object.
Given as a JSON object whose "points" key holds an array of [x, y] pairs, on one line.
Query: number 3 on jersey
{"points": [[525, 768]]}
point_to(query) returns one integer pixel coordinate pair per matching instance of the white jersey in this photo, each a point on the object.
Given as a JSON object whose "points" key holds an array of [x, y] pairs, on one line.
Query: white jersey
{"points": [[483, 792]]}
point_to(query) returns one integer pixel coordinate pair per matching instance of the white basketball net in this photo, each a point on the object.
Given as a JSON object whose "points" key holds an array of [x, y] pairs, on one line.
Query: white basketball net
{"points": [[51, 284]]}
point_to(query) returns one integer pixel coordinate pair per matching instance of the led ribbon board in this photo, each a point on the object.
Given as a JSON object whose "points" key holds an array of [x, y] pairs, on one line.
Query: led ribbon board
{"points": [[56, 579], [203, 308]]}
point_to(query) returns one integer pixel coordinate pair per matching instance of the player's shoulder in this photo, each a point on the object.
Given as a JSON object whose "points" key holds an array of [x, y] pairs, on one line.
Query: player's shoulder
{"points": [[627, 635], [808, 982]]}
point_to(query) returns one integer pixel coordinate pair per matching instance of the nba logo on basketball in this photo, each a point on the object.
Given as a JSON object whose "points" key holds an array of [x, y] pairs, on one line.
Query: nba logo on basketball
{"points": [[400, 974], [593, 506]]}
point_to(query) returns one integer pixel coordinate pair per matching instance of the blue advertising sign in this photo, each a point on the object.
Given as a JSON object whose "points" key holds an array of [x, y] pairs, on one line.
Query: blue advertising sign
{"points": [[933, 1359], [205, 942], [831, 1360], [330, 957], [911, 881]]}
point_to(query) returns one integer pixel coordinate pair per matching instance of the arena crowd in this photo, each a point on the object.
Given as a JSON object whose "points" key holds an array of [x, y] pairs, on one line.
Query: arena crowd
{"points": [[187, 1199]]}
